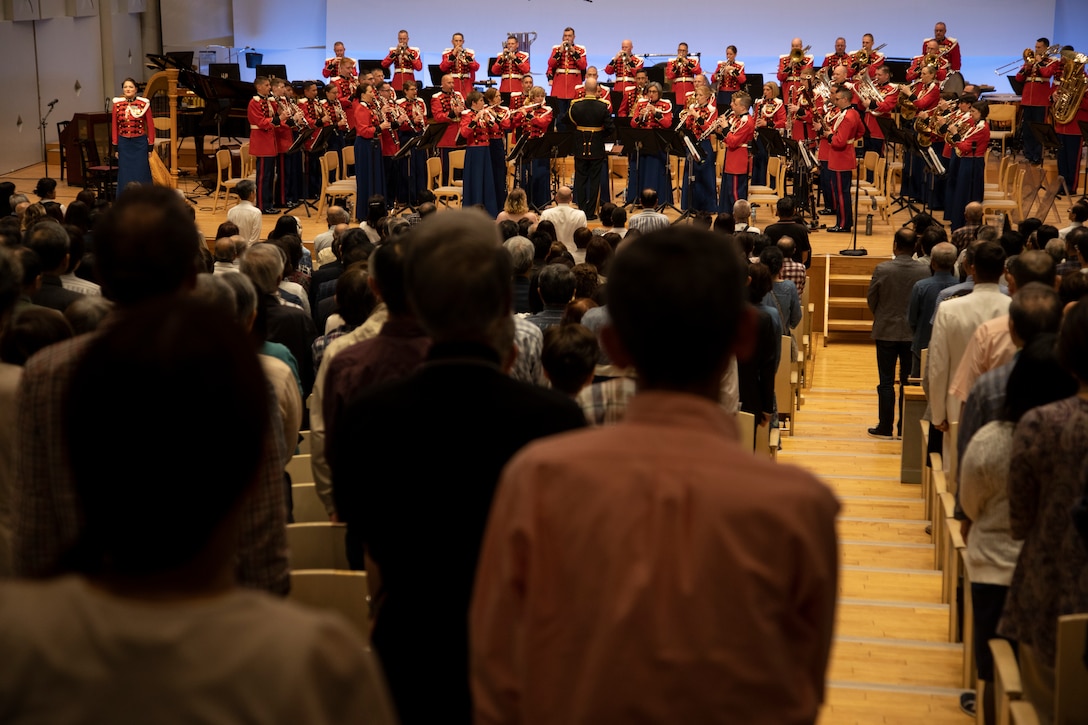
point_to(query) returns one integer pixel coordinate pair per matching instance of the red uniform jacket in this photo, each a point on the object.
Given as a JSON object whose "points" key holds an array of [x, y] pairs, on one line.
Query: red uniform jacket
{"points": [[367, 121], [926, 98], [772, 111], [915, 70], [442, 111], [404, 65], [647, 115], [1037, 82], [804, 126], [416, 111], [511, 70], [624, 69], [700, 118], [831, 114], [132, 119], [313, 111], [847, 129], [332, 68], [974, 141], [462, 67], [952, 54], [566, 69], [602, 94], [631, 96], [476, 128], [285, 135], [725, 80], [681, 73], [391, 136], [876, 59], [832, 59], [535, 120], [741, 132], [264, 119], [789, 75], [885, 108]]}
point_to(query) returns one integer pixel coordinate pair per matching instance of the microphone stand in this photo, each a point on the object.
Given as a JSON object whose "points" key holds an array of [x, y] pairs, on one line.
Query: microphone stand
{"points": [[854, 251], [41, 126]]}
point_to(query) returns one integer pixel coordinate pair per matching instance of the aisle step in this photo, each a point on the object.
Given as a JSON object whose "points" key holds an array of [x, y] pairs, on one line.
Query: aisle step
{"points": [[895, 662], [882, 507], [886, 584], [895, 620], [879, 553], [869, 703], [888, 530]]}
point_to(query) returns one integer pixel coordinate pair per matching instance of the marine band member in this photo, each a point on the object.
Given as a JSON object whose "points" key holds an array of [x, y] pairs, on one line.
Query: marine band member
{"points": [[133, 135], [405, 61], [699, 117], [839, 57], [866, 59], [789, 72], [534, 118], [681, 71], [633, 94], [884, 108], [566, 68], [949, 48], [265, 116], [650, 112], [334, 65], [446, 107], [740, 129], [477, 123], [511, 64], [927, 58], [842, 132], [461, 64], [592, 121], [1070, 138], [497, 144], [728, 77], [413, 169], [602, 92], [624, 66], [1035, 99]]}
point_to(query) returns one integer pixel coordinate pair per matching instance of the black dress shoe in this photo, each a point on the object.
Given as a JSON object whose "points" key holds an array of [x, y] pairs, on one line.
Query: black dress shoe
{"points": [[877, 433], [838, 230], [826, 212], [270, 211]]}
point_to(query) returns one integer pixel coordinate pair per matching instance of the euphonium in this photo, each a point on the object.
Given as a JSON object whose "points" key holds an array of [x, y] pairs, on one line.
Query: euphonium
{"points": [[905, 104], [1068, 93]]}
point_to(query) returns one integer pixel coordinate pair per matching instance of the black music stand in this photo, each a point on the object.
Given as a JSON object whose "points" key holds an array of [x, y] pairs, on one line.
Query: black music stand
{"points": [[617, 100], [553, 145], [906, 143], [431, 136], [273, 71], [648, 141], [672, 144], [226, 71], [406, 150], [655, 73], [802, 179], [436, 73], [694, 155]]}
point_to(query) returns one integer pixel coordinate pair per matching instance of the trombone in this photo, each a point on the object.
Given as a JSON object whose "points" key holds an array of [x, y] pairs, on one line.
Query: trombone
{"points": [[1027, 58]]}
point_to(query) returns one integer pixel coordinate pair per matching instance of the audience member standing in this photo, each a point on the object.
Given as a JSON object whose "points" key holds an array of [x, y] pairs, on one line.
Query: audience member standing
{"points": [[437, 440], [599, 566]]}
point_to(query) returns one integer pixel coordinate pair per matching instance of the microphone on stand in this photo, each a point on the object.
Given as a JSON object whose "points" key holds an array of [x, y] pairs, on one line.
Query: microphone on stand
{"points": [[53, 102]]}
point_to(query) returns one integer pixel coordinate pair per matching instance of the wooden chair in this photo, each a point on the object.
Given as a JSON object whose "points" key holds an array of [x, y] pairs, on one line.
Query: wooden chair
{"points": [[223, 180], [1000, 114], [299, 469], [1005, 181], [1071, 676], [935, 508], [96, 175], [443, 194], [1022, 712], [338, 591], [772, 192], [304, 444], [1007, 685], [249, 164], [317, 545], [347, 155], [306, 507], [951, 455], [332, 163], [329, 190], [746, 424], [785, 386], [1013, 203], [457, 163]]}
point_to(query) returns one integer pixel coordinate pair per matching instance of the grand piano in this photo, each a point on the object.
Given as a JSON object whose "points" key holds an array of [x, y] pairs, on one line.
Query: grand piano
{"points": [[188, 104]]}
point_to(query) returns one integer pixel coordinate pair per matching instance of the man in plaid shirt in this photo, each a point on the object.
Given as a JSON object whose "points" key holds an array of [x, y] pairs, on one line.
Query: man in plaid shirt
{"points": [[146, 248], [792, 269]]}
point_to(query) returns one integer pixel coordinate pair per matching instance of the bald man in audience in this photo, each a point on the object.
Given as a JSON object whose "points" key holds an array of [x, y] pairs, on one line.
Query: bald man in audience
{"points": [[565, 217], [569, 564], [419, 509], [336, 216], [792, 268], [146, 247], [225, 256]]}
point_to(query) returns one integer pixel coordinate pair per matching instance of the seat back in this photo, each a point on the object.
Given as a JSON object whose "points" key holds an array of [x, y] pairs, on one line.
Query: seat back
{"points": [[338, 591], [348, 156], [222, 165], [457, 163], [317, 545], [299, 468], [248, 166], [1071, 674], [434, 172], [746, 425], [332, 166], [306, 507]]}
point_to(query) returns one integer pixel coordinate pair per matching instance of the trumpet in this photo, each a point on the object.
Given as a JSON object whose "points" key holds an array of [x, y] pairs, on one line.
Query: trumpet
{"points": [[457, 104]]}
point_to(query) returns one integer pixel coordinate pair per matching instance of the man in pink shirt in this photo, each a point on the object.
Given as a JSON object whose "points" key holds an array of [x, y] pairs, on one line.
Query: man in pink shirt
{"points": [[655, 570]]}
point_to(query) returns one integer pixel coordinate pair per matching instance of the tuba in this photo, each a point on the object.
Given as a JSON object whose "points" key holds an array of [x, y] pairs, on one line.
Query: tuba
{"points": [[1066, 99]]}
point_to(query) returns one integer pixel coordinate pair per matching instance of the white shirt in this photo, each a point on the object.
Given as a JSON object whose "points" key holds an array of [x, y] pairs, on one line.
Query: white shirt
{"points": [[956, 321], [248, 220], [84, 656], [647, 221], [566, 219], [76, 284], [1066, 230], [321, 241]]}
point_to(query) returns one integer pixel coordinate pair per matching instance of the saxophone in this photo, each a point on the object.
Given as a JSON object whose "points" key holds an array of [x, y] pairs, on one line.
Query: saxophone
{"points": [[1068, 93]]}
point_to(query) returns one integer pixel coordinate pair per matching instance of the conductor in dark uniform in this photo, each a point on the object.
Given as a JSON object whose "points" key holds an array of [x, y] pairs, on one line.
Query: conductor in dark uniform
{"points": [[592, 124]]}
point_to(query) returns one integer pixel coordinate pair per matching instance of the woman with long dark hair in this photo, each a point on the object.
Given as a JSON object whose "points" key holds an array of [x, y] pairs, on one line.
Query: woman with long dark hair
{"points": [[133, 135]]}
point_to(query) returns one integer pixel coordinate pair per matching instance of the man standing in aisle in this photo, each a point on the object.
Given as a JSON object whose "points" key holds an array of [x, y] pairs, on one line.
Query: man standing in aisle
{"points": [[889, 296]]}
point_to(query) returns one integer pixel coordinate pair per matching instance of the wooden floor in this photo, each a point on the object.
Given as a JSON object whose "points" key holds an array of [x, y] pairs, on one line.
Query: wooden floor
{"points": [[891, 661]]}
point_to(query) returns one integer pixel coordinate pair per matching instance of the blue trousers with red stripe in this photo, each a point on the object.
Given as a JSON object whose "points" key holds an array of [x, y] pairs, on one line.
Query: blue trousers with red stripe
{"points": [[266, 180], [840, 192], [1069, 160], [734, 187]]}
